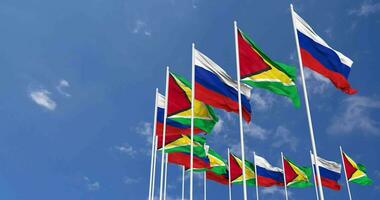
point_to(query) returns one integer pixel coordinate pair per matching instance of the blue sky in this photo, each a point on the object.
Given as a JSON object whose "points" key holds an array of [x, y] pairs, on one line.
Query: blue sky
{"points": [[78, 80]]}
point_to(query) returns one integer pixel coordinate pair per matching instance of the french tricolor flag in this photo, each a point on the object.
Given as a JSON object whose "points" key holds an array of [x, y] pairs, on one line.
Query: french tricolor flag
{"points": [[216, 88], [330, 172], [317, 55], [173, 128], [267, 175]]}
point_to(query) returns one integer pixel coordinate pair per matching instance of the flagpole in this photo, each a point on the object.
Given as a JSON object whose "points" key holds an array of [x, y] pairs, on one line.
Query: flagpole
{"points": [[229, 175], [240, 111], [154, 166], [285, 184], [315, 178], [256, 179], [166, 174], [345, 173], [153, 141], [183, 182], [164, 132], [192, 120], [314, 148], [204, 186]]}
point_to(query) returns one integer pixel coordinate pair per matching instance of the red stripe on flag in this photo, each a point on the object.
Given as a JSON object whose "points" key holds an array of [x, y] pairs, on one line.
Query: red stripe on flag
{"points": [[267, 182]]}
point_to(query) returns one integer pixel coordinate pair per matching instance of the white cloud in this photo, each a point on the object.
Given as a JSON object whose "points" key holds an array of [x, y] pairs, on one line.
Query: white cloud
{"points": [[283, 137], [130, 180], [126, 149], [262, 100], [274, 190], [218, 126], [60, 87], [365, 9], [41, 97], [356, 115], [91, 185], [141, 27], [256, 131], [315, 82], [145, 129]]}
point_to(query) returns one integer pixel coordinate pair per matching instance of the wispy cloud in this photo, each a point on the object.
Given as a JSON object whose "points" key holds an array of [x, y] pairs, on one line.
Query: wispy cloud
{"points": [[365, 9], [42, 98], [126, 149], [130, 180], [274, 190], [61, 86], [255, 131], [140, 27], [145, 129], [262, 100], [282, 137], [218, 126], [91, 185], [356, 115]]}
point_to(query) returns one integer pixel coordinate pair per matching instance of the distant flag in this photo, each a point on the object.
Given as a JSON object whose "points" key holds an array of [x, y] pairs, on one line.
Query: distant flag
{"points": [[217, 163], [258, 70], [317, 55], [236, 171], [216, 88], [329, 171], [172, 127], [297, 176], [267, 175], [183, 159], [183, 144], [355, 172], [219, 178], [179, 105]]}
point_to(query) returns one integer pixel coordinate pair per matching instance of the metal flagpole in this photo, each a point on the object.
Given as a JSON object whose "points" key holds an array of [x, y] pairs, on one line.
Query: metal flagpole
{"points": [[257, 180], [314, 178], [166, 174], [192, 120], [314, 148], [153, 141], [229, 175], [204, 186], [345, 173], [285, 183], [183, 182], [164, 132], [154, 166], [240, 110]]}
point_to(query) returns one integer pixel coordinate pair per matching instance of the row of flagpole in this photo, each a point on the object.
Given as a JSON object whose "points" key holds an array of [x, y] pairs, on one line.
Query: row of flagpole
{"points": [[162, 190]]}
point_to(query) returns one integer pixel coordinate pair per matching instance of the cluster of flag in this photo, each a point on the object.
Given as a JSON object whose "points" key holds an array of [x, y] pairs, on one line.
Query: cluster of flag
{"points": [[180, 115]]}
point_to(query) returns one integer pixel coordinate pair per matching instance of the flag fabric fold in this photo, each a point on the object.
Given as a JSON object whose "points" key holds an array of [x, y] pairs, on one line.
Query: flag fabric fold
{"points": [[329, 171], [297, 176], [355, 172], [179, 105], [236, 171], [216, 88], [267, 175], [258, 70], [317, 55]]}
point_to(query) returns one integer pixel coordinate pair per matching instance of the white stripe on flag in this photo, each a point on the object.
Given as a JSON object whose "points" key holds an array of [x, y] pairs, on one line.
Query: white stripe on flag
{"points": [[330, 165], [262, 162], [161, 101]]}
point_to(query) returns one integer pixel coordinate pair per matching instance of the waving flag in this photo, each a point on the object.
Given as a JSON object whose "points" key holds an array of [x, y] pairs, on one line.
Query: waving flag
{"points": [[355, 173], [219, 178], [216, 88], [183, 144], [258, 70], [179, 105], [267, 175], [317, 55], [329, 171], [181, 158], [217, 163], [173, 128], [297, 176], [237, 171]]}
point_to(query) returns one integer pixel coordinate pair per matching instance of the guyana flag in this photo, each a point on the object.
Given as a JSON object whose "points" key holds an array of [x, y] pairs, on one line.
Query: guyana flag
{"points": [[355, 172], [236, 166], [219, 178], [297, 176], [258, 70], [179, 105], [217, 163], [183, 144]]}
